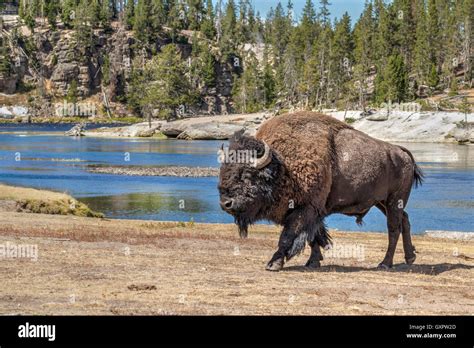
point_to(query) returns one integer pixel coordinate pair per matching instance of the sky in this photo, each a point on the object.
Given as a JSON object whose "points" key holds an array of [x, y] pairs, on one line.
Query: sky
{"points": [[337, 8]]}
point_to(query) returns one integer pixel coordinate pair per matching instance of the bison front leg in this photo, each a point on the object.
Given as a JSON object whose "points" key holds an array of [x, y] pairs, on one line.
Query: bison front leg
{"points": [[300, 226], [285, 243]]}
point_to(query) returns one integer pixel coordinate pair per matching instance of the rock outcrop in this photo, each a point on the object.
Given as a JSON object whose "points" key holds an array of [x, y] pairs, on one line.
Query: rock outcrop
{"points": [[210, 131]]}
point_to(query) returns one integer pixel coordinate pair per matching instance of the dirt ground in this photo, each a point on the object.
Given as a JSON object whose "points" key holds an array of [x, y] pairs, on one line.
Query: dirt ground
{"points": [[120, 267]]}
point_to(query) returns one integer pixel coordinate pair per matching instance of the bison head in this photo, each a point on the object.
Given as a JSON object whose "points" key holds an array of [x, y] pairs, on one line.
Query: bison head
{"points": [[247, 180]]}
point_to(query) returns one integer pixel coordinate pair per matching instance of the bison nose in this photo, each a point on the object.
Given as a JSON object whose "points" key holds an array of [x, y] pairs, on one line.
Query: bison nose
{"points": [[227, 204]]}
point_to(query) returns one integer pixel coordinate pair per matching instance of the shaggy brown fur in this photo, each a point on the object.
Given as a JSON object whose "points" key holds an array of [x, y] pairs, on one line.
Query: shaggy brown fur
{"points": [[308, 162], [314, 166]]}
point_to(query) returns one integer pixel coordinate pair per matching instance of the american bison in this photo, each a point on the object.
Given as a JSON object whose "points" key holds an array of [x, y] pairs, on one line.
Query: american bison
{"points": [[308, 166]]}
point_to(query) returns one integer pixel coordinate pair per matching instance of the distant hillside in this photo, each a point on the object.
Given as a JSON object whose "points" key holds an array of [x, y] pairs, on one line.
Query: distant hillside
{"points": [[173, 58]]}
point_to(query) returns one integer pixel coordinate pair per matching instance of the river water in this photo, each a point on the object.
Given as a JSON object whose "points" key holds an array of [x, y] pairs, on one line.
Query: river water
{"points": [[40, 157]]}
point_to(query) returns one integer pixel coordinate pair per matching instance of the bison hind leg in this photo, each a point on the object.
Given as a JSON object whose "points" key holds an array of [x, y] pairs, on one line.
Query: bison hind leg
{"points": [[320, 235]]}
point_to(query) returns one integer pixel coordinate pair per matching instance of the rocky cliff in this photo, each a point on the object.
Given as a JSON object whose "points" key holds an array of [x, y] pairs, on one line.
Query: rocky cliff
{"points": [[52, 62]]}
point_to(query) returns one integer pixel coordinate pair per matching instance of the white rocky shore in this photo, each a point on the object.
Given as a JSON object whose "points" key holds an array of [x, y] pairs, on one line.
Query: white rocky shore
{"points": [[399, 126], [423, 127]]}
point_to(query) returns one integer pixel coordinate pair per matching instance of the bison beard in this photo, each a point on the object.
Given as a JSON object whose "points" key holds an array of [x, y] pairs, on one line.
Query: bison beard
{"points": [[243, 223], [322, 166]]}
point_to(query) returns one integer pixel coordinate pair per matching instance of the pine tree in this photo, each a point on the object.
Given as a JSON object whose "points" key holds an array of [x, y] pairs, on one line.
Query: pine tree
{"points": [[323, 49], [422, 52], [433, 78], [158, 15], [28, 11], [433, 24], [68, 12], [453, 86], [142, 25], [467, 33], [105, 14], [94, 9], [129, 14], [177, 20], [72, 92], [83, 20], [51, 12], [195, 14], [242, 29], [288, 74], [280, 32], [406, 28], [252, 27], [228, 42], [324, 13], [247, 88], [207, 25], [341, 56], [5, 61], [310, 82], [395, 81], [203, 66], [450, 39], [307, 28], [269, 86], [465, 107], [384, 33], [165, 89], [363, 51]]}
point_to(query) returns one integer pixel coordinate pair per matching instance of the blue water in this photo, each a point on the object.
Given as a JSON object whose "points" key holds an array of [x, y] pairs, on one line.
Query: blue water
{"points": [[41, 157]]}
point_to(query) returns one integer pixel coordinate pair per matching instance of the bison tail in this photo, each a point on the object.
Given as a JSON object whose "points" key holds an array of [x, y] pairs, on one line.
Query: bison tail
{"points": [[418, 176]]}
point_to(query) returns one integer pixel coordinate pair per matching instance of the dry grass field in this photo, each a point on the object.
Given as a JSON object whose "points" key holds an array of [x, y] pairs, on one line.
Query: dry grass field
{"points": [[121, 267]]}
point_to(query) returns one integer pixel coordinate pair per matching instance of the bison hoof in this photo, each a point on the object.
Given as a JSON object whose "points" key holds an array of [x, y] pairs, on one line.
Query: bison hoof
{"points": [[383, 266], [410, 260], [275, 265], [313, 264]]}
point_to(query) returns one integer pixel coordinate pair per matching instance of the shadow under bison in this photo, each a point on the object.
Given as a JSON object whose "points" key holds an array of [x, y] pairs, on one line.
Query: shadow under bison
{"points": [[402, 268]]}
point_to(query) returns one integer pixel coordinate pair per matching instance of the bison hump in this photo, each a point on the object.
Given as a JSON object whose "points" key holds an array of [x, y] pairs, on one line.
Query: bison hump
{"points": [[304, 143]]}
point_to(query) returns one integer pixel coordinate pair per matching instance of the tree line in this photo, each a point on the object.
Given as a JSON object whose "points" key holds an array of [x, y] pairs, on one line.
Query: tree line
{"points": [[397, 50]]}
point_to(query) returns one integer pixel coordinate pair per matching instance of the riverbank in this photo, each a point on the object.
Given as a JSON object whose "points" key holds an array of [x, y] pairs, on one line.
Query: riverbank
{"points": [[399, 126], [29, 200], [91, 266]]}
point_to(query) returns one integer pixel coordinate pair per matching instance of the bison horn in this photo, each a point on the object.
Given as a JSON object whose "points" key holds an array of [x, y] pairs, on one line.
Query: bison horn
{"points": [[263, 161]]}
